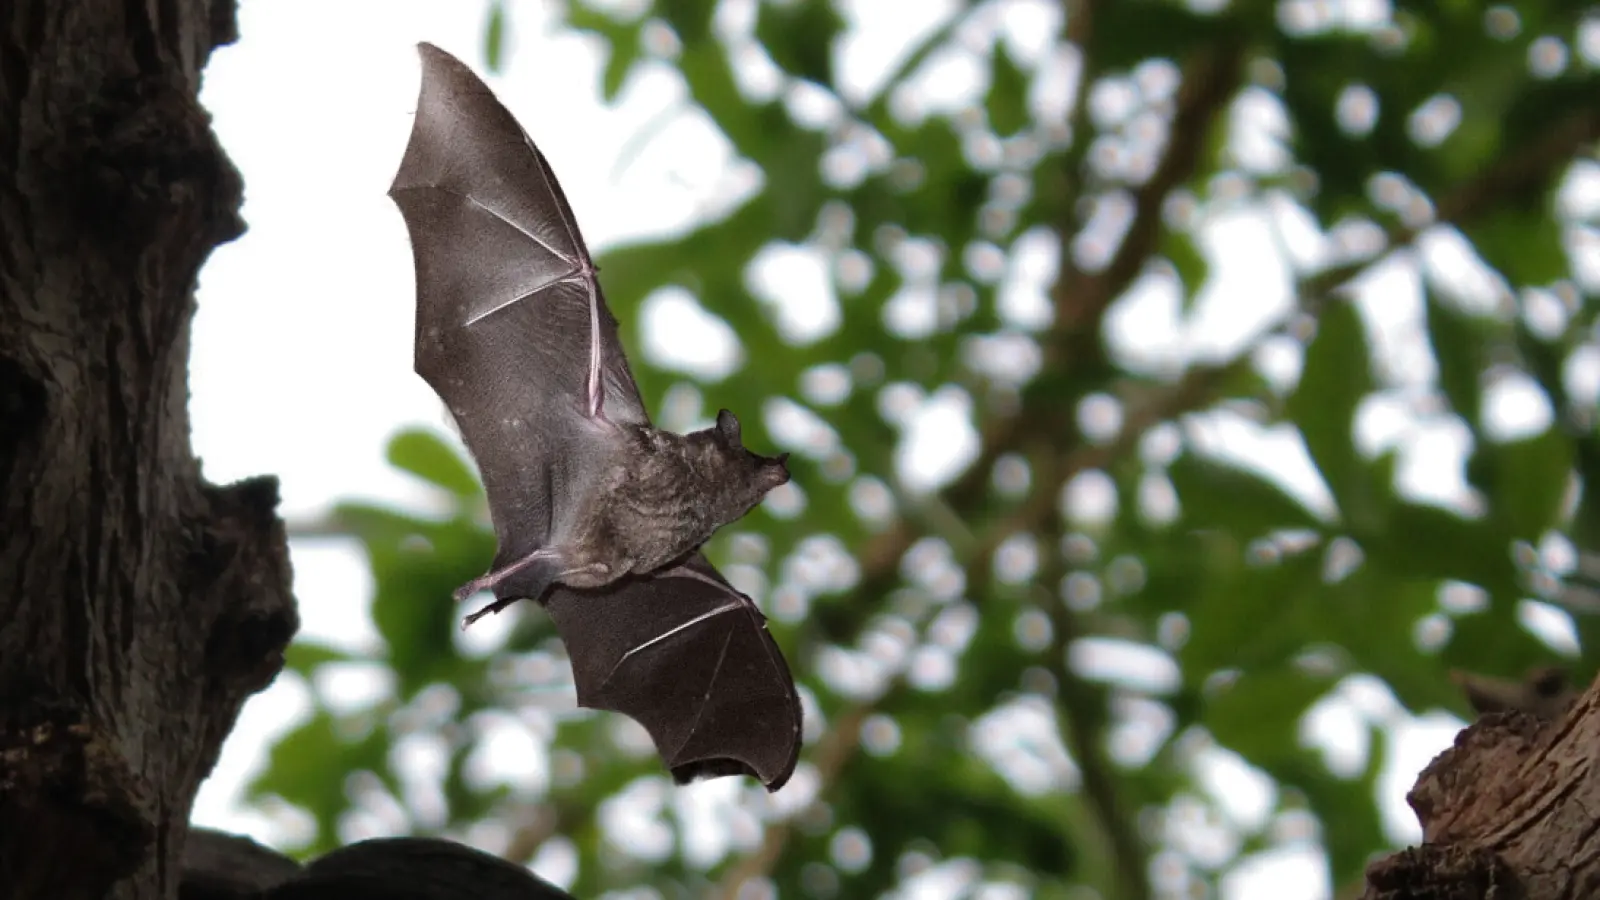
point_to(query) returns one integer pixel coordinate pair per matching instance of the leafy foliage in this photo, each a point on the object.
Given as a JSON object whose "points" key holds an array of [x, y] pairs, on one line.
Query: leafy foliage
{"points": [[959, 645]]}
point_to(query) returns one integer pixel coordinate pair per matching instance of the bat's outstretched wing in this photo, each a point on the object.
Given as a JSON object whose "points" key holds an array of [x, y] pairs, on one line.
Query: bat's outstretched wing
{"points": [[512, 330], [689, 658]]}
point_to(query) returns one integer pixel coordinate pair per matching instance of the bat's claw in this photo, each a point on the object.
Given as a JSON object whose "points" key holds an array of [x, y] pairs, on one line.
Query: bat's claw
{"points": [[491, 608]]}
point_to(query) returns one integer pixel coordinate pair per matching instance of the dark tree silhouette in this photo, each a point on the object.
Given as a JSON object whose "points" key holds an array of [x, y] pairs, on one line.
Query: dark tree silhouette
{"points": [[141, 605]]}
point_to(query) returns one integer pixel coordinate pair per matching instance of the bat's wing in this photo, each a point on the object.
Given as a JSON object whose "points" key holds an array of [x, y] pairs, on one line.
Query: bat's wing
{"points": [[512, 330], [690, 659]]}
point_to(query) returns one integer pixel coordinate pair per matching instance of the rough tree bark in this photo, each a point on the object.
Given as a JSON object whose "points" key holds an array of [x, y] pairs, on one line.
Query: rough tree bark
{"points": [[139, 605], [1512, 810]]}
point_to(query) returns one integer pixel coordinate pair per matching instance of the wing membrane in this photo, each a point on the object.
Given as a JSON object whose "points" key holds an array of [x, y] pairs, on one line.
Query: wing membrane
{"points": [[691, 660], [509, 316]]}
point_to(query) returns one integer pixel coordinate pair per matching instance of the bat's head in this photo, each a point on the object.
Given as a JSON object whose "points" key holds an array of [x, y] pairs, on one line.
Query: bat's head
{"points": [[761, 473]]}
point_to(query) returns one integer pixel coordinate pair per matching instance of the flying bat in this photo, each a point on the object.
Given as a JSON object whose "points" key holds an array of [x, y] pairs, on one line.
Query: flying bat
{"points": [[599, 515]]}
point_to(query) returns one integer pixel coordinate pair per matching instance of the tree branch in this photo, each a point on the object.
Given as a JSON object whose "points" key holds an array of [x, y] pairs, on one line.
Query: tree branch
{"points": [[1209, 81], [1535, 162], [838, 746], [1082, 729], [1529, 166], [539, 824]]}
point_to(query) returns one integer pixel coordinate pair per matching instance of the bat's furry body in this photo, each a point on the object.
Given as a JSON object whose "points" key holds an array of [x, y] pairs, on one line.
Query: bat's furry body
{"points": [[599, 514], [664, 495]]}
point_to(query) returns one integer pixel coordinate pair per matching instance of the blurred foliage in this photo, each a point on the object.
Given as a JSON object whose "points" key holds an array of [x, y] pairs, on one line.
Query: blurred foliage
{"points": [[1024, 676]]}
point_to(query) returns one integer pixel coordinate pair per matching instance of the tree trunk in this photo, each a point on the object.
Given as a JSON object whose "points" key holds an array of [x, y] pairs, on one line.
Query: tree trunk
{"points": [[139, 605]]}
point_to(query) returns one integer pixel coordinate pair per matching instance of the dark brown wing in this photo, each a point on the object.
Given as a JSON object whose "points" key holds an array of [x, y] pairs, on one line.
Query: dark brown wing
{"points": [[689, 658], [512, 330]]}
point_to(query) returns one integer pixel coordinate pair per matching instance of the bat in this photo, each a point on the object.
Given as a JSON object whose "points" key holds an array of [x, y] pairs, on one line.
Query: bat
{"points": [[598, 515]]}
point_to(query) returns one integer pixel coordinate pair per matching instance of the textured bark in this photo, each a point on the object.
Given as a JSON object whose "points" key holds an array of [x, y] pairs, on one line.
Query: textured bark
{"points": [[1510, 812], [139, 605]]}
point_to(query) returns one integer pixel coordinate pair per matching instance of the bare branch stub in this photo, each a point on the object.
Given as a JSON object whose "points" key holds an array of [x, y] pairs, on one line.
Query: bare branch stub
{"points": [[139, 605], [1442, 873], [1507, 812]]}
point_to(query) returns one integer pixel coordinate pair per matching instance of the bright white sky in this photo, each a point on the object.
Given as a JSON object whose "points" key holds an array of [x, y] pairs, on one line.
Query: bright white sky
{"points": [[302, 345]]}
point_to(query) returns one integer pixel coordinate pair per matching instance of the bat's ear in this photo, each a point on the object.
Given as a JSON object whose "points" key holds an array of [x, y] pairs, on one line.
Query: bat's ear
{"points": [[728, 427]]}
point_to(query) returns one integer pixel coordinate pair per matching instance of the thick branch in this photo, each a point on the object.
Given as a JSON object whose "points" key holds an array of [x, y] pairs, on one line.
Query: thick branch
{"points": [[1209, 82], [1083, 721]]}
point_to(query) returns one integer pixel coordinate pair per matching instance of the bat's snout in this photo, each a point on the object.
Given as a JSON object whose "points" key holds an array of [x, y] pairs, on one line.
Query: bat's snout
{"points": [[773, 471]]}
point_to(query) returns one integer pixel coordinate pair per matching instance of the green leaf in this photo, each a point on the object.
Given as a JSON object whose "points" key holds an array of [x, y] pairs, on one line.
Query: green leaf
{"points": [[1129, 33], [800, 37], [1214, 493], [304, 655], [424, 455], [1531, 476], [1007, 101], [1493, 642], [1526, 246], [1249, 617], [1373, 614], [1192, 267], [1336, 377], [622, 44], [1350, 820], [619, 63], [416, 565], [968, 809], [1424, 541], [1461, 347], [309, 765], [494, 36], [691, 19], [1258, 715]]}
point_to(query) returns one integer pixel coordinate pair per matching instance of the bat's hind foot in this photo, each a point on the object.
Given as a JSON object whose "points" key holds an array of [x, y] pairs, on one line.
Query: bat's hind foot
{"points": [[469, 588], [481, 583], [527, 578], [491, 608]]}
